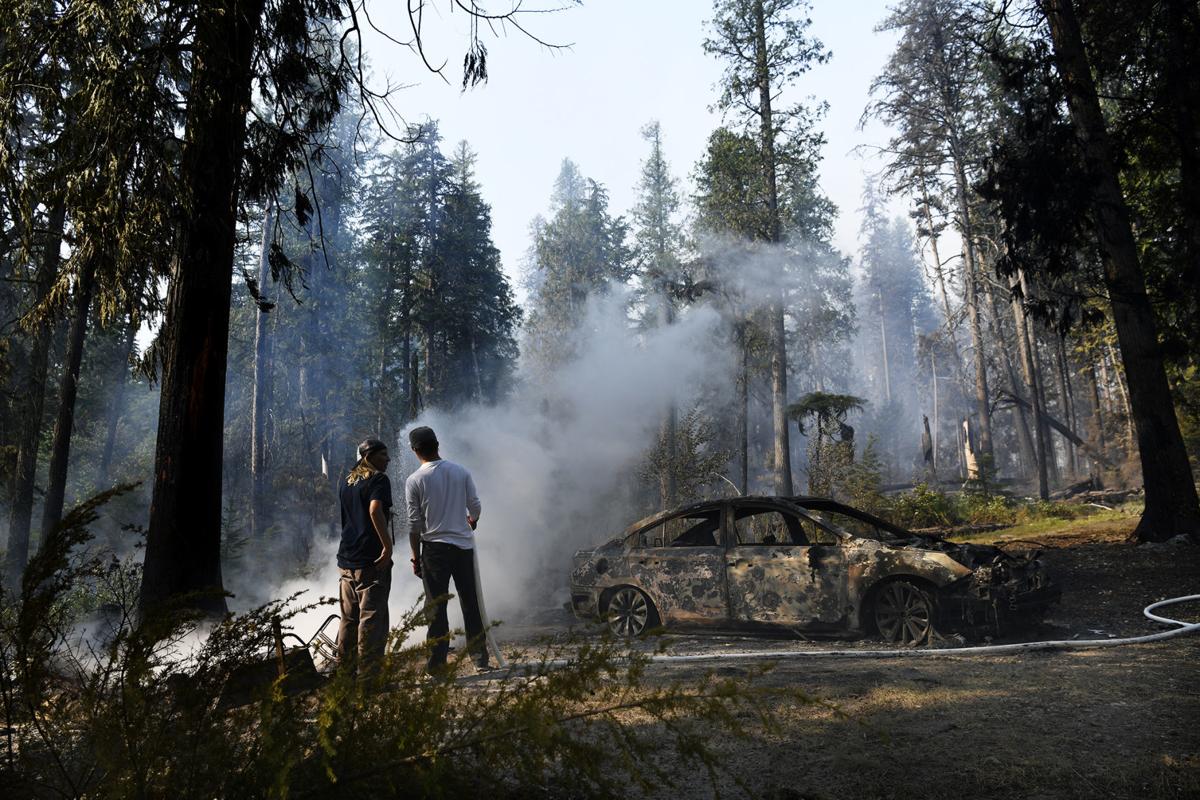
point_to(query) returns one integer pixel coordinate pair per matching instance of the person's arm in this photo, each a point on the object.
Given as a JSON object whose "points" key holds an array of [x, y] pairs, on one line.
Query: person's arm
{"points": [[379, 521], [474, 507], [416, 523]]}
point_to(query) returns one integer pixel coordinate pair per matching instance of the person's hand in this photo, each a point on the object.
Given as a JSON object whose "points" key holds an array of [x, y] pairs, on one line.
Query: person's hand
{"points": [[472, 521], [416, 565], [385, 558]]}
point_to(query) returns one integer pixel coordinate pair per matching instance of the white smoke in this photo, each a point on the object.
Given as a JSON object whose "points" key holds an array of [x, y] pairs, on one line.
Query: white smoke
{"points": [[553, 463]]}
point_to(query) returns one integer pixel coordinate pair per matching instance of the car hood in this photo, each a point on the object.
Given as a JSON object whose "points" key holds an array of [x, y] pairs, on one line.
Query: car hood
{"points": [[969, 555]]}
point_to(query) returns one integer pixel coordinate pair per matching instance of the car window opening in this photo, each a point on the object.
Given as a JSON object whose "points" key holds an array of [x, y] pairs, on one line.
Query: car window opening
{"points": [[698, 529]]}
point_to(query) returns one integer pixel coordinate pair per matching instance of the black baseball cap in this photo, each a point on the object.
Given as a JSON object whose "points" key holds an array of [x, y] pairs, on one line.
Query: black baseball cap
{"points": [[422, 438], [369, 446]]}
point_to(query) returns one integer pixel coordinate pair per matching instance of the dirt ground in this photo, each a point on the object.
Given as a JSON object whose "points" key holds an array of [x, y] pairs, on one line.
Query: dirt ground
{"points": [[1091, 723]]}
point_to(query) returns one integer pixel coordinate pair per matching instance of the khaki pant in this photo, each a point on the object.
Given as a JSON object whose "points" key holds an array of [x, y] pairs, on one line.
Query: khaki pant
{"points": [[362, 636]]}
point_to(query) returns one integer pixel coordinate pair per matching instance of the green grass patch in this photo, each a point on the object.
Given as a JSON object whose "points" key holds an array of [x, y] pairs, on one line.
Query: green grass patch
{"points": [[1049, 526]]}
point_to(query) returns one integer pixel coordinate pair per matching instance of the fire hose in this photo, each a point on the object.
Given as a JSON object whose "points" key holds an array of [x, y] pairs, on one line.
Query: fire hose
{"points": [[487, 625]]}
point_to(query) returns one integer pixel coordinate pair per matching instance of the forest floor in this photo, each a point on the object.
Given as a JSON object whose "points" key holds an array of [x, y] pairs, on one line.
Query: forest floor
{"points": [[1091, 723]]}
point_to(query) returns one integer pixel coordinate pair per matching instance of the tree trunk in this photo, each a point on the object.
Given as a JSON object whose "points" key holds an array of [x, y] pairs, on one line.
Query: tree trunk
{"points": [[64, 425], [1029, 371], [385, 359], [940, 276], [1040, 372], [117, 407], [743, 409], [782, 450], [1131, 442], [1183, 89], [970, 273], [1172, 507], [1029, 458], [1066, 403], [183, 548], [1067, 433], [21, 516], [667, 485], [1097, 412], [887, 372], [412, 403], [260, 405]]}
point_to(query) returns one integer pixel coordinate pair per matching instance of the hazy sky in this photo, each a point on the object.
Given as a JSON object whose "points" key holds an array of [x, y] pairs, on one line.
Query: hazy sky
{"points": [[629, 62]]}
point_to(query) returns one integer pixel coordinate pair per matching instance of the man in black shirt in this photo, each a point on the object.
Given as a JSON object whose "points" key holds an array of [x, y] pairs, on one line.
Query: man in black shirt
{"points": [[365, 557]]}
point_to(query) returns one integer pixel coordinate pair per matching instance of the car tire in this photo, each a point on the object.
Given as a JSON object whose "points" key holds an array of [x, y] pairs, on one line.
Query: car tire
{"points": [[903, 613], [630, 613]]}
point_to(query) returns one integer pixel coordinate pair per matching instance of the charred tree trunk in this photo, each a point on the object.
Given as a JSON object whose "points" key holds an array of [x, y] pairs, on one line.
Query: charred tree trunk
{"points": [[21, 516], [1172, 506], [117, 409], [64, 425], [260, 405], [183, 548], [778, 342]]}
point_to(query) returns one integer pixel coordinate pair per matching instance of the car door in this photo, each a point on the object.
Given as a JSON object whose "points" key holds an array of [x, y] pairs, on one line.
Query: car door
{"points": [[680, 564], [784, 569]]}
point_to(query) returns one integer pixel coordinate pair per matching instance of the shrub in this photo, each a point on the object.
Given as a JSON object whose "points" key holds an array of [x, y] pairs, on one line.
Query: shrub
{"points": [[923, 507], [984, 509]]}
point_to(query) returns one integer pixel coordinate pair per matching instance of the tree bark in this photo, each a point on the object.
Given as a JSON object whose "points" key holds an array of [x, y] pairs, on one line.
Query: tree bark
{"points": [[782, 450], [183, 548], [1029, 371], [1066, 401], [21, 515], [1183, 89], [1097, 414], [1172, 507], [887, 369], [743, 409], [667, 485], [260, 404], [1040, 371], [1024, 439], [64, 425], [970, 273]]}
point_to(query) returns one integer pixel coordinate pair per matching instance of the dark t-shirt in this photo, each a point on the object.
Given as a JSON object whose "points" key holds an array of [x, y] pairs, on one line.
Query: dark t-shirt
{"points": [[360, 544]]}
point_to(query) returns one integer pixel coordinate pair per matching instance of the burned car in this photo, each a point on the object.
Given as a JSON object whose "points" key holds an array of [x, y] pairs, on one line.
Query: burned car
{"points": [[803, 564]]}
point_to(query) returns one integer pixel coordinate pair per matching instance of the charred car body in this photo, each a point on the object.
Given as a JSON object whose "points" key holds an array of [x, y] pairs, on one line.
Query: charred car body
{"points": [[803, 564]]}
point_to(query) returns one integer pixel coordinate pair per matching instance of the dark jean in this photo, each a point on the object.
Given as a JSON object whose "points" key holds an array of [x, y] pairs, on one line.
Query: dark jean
{"points": [[441, 563], [362, 636]]}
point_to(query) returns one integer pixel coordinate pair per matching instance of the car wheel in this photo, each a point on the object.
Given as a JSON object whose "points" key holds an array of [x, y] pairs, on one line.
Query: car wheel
{"points": [[630, 612], [904, 613]]}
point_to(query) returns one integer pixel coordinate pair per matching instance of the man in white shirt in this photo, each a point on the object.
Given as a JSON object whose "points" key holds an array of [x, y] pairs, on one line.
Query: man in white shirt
{"points": [[443, 509]]}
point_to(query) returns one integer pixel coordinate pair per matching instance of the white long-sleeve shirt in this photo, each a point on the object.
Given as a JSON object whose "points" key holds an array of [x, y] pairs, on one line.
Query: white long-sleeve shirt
{"points": [[439, 495]]}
